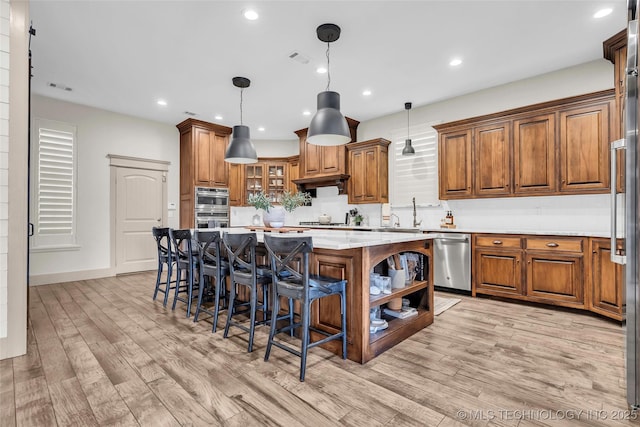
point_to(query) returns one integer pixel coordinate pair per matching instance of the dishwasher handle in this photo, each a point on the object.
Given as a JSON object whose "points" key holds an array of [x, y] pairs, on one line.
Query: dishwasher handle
{"points": [[452, 239]]}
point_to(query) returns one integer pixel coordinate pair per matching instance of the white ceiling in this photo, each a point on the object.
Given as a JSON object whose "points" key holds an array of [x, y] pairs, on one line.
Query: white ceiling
{"points": [[124, 55]]}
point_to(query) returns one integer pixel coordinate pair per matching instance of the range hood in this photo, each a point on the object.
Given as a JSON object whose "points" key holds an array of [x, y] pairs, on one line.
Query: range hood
{"points": [[309, 183]]}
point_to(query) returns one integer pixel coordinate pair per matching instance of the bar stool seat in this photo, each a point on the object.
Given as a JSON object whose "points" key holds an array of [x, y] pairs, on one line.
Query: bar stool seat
{"points": [[284, 253], [165, 257]]}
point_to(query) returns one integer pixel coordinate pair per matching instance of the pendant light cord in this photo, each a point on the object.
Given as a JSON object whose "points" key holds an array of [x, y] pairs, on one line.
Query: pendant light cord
{"points": [[328, 67], [241, 90], [407, 123]]}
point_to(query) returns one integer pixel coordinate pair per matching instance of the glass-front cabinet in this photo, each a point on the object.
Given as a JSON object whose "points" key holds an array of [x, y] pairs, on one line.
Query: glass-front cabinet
{"points": [[254, 179], [267, 176]]}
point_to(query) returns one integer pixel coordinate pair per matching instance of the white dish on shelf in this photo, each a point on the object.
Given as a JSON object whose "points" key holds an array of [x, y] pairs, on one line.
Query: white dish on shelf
{"points": [[374, 290], [377, 325]]}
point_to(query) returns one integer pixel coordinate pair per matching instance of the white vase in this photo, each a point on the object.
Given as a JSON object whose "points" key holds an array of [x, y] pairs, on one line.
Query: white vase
{"points": [[274, 217]]}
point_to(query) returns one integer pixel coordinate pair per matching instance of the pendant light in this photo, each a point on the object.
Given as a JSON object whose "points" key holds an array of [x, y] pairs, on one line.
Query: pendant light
{"points": [[241, 149], [328, 126], [408, 149]]}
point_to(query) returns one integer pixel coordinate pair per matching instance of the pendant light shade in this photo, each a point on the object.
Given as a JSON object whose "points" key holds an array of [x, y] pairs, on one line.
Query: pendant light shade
{"points": [[241, 149], [328, 126], [408, 149]]}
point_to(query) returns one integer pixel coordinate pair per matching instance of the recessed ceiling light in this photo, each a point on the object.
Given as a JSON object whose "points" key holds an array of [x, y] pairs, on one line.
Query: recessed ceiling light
{"points": [[250, 14], [162, 102], [366, 92], [455, 62], [603, 12], [306, 113], [321, 70], [218, 117], [261, 129]]}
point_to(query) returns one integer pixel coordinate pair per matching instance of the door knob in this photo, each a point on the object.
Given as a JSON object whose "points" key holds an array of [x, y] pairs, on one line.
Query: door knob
{"points": [[159, 219]]}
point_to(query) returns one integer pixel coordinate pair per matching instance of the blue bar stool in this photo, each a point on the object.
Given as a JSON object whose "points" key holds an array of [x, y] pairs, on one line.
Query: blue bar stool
{"points": [[165, 257], [213, 271], [186, 263], [285, 252], [241, 250]]}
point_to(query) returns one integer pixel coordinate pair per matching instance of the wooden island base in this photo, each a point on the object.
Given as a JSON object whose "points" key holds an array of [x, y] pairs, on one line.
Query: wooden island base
{"points": [[354, 265]]}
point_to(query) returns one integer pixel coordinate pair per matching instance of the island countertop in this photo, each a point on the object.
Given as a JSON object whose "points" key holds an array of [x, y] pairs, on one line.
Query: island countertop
{"points": [[340, 239]]}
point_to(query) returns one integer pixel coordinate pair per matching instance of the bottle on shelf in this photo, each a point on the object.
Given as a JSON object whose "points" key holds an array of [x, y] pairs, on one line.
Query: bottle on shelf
{"points": [[449, 218]]}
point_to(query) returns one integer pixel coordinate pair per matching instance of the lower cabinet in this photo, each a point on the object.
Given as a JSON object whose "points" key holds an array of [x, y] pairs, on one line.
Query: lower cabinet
{"points": [[549, 269], [607, 286]]}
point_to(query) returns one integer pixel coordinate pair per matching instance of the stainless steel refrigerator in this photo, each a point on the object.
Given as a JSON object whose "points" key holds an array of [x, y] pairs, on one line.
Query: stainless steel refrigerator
{"points": [[624, 221]]}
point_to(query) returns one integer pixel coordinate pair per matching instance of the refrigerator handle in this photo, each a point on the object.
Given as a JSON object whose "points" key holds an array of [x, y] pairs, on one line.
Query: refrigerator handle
{"points": [[619, 144]]}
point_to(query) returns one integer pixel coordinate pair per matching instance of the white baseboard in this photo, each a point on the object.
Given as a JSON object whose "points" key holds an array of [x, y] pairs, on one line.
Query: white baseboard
{"points": [[71, 276]]}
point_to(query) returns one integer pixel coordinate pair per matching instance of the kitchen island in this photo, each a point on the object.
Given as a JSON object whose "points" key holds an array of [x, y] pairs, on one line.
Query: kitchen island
{"points": [[353, 255]]}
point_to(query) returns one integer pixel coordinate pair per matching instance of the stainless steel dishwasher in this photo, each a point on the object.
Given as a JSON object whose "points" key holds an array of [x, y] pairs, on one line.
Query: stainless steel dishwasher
{"points": [[452, 260]]}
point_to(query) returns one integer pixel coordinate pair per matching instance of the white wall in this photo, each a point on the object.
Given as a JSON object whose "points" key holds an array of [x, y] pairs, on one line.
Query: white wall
{"points": [[4, 156], [99, 133]]}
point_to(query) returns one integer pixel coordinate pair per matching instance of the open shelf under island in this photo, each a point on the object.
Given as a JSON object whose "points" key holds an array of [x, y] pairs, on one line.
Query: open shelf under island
{"points": [[352, 255]]}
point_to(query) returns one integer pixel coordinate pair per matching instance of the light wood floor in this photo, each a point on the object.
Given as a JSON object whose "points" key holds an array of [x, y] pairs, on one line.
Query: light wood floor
{"points": [[101, 352]]}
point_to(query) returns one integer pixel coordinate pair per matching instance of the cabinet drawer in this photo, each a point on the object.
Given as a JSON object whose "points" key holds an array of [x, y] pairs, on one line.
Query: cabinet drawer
{"points": [[555, 244], [498, 241]]}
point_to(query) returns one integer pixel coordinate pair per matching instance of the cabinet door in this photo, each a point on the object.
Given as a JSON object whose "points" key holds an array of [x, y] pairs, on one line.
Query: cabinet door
{"points": [[584, 149], [454, 153], [219, 169], [498, 272], [310, 156], [202, 140], [254, 179], [606, 281], [492, 159], [236, 184], [276, 180], [332, 160], [534, 154], [554, 277], [359, 175], [293, 173]]}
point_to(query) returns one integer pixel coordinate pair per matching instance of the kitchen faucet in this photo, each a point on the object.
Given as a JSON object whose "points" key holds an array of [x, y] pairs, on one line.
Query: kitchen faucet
{"points": [[397, 224], [415, 223]]}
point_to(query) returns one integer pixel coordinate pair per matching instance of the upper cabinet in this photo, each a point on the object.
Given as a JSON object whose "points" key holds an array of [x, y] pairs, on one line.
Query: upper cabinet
{"points": [[553, 148], [369, 171], [615, 50], [317, 161], [202, 148]]}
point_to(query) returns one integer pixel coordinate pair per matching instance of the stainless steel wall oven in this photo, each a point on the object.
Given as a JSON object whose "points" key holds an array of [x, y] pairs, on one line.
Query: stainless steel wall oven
{"points": [[211, 207]]}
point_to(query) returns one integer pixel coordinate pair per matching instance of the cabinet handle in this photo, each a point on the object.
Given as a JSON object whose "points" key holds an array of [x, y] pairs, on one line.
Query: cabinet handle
{"points": [[497, 242], [552, 245]]}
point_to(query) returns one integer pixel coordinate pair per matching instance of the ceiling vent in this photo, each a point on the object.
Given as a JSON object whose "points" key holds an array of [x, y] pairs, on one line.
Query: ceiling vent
{"points": [[190, 113], [299, 57], [60, 86]]}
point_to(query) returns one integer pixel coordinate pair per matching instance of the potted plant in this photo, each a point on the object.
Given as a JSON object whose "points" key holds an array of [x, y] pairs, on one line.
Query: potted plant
{"points": [[273, 215]]}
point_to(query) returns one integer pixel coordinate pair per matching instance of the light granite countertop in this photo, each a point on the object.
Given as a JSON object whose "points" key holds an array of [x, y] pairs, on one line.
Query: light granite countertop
{"points": [[340, 239]]}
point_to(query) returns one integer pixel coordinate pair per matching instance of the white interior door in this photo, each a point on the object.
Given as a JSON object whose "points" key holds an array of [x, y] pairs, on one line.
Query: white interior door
{"points": [[140, 205]]}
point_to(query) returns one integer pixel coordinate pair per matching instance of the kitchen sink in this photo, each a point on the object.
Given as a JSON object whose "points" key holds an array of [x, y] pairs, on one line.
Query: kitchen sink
{"points": [[399, 229]]}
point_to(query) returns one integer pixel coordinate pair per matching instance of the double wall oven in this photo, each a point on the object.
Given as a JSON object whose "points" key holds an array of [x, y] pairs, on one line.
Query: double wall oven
{"points": [[211, 207]]}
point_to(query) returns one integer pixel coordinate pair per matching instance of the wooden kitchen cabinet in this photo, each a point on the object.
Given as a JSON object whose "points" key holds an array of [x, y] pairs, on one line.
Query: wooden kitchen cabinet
{"points": [[317, 161], [607, 286], [454, 160], [293, 173], [492, 150], [553, 148], [369, 169], [236, 184], [584, 148], [498, 265], [269, 176], [202, 148], [534, 154], [555, 270]]}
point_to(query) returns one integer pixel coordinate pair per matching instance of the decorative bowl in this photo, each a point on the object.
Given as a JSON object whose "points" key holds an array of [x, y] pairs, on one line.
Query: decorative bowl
{"points": [[276, 224]]}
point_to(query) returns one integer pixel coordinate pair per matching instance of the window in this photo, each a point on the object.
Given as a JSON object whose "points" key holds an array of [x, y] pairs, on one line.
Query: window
{"points": [[416, 175], [53, 195]]}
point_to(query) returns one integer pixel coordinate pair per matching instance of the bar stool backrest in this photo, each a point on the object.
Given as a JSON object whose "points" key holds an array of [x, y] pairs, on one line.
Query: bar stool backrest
{"points": [[209, 244], [285, 254], [161, 235], [241, 250], [182, 241]]}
